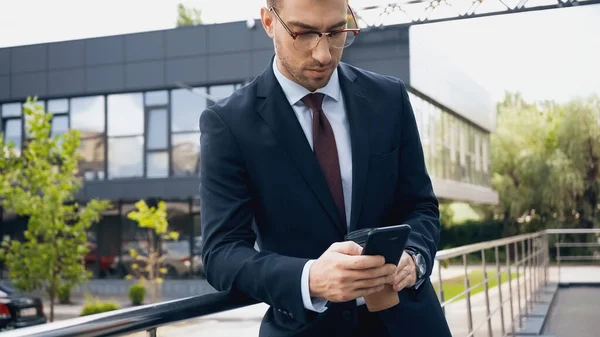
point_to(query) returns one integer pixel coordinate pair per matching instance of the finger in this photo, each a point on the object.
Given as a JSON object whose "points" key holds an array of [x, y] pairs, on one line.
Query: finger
{"points": [[407, 282], [404, 261], [346, 248], [401, 275], [367, 291], [374, 282], [363, 262]]}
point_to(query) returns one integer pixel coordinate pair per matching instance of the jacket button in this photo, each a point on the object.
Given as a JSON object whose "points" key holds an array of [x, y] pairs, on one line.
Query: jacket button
{"points": [[346, 315]]}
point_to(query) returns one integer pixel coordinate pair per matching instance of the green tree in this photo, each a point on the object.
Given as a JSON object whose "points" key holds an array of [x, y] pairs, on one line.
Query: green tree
{"points": [[545, 158], [40, 183], [188, 16], [147, 266]]}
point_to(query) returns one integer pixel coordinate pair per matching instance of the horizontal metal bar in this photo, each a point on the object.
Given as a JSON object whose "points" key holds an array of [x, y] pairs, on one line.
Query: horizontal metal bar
{"points": [[578, 244], [477, 247], [143, 318], [578, 258], [574, 231]]}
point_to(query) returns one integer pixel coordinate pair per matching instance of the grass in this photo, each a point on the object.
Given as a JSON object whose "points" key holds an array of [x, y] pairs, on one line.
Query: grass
{"points": [[456, 285]]}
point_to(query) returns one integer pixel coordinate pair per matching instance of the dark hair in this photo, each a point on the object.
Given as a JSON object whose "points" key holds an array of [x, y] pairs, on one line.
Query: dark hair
{"points": [[273, 3]]}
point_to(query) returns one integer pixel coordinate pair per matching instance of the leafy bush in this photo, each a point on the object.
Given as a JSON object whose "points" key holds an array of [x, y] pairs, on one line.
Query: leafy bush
{"points": [[95, 306], [137, 292], [470, 232], [64, 294]]}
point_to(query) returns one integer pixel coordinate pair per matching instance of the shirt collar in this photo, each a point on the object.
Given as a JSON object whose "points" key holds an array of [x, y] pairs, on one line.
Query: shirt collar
{"points": [[294, 92]]}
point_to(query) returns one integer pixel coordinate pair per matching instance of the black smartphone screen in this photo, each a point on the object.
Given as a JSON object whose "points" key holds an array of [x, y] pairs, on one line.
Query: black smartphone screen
{"points": [[388, 242]]}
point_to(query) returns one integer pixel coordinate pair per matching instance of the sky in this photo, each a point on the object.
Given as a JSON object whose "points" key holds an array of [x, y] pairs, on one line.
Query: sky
{"points": [[550, 54]]}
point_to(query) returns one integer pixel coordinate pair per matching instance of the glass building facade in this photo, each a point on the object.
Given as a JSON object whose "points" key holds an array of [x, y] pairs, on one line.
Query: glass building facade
{"points": [[137, 135], [155, 135], [455, 149]]}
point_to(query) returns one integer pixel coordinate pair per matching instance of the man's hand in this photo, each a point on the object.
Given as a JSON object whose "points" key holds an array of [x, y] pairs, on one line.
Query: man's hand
{"points": [[406, 273], [341, 274]]}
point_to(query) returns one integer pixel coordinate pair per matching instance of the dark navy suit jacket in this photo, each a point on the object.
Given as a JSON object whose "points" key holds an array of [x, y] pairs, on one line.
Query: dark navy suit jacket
{"points": [[260, 181]]}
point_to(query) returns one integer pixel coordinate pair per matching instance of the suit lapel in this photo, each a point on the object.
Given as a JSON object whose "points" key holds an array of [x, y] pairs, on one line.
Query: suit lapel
{"points": [[358, 106], [278, 114]]}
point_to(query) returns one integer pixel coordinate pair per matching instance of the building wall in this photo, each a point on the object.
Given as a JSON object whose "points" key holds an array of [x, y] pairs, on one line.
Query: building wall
{"points": [[93, 72], [197, 56]]}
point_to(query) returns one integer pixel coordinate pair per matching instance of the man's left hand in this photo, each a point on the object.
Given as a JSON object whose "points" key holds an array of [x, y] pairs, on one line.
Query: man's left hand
{"points": [[406, 272]]}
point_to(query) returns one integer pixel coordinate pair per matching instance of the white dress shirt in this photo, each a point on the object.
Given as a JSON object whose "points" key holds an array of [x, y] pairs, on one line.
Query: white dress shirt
{"points": [[335, 111]]}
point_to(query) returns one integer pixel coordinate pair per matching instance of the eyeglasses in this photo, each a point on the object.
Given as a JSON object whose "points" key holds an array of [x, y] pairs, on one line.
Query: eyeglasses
{"points": [[340, 38]]}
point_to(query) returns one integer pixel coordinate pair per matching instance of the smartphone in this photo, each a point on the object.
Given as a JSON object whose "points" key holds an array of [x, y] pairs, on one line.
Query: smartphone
{"points": [[388, 242]]}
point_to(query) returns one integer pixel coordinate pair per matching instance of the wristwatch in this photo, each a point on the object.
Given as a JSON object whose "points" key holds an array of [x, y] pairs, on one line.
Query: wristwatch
{"points": [[420, 263]]}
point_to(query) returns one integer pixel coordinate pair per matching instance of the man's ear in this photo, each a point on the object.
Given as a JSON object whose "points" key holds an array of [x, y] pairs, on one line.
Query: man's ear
{"points": [[268, 23]]}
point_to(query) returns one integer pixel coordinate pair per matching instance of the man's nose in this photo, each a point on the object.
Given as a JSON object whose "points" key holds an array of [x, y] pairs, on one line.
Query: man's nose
{"points": [[321, 51]]}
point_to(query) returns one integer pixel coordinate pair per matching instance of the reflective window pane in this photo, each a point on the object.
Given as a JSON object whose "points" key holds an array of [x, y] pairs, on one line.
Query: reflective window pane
{"points": [[12, 132], [125, 115], [220, 92], [58, 106], [60, 124], [157, 98], [125, 157], [12, 109], [186, 108], [158, 165], [157, 129], [87, 115], [186, 151], [91, 165]]}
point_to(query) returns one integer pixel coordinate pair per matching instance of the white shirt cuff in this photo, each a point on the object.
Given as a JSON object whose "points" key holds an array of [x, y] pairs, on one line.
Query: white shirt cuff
{"points": [[316, 304], [360, 301]]}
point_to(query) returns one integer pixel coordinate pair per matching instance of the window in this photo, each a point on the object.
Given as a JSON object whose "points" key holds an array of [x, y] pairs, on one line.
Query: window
{"points": [[186, 107], [157, 129], [60, 125], [11, 110], [58, 106], [125, 157], [126, 136], [87, 116], [186, 150], [91, 165], [158, 165], [185, 140], [12, 132], [157, 155], [125, 115], [155, 98]]}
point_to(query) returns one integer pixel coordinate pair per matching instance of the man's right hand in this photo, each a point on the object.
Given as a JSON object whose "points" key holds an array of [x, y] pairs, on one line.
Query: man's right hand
{"points": [[341, 274]]}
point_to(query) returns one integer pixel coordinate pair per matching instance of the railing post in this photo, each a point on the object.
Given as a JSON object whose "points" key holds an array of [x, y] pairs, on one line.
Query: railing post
{"points": [[487, 294], [525, 293], [546, 257], [468, 295], [510, 292], [440, 287], [531, 274], [558, 257], [518, 284], [151, 332], [499, 274]]}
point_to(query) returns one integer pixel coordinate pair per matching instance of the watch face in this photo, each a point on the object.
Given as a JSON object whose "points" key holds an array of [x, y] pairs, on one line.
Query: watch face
{"points": [[420, 264]]}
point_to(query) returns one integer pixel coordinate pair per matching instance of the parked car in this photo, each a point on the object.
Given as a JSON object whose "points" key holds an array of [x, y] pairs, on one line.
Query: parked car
{"points": [[19, 311]]}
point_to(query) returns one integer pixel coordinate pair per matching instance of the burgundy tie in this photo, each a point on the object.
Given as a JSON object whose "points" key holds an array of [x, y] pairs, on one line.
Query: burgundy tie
{"points": [[325, 150]]}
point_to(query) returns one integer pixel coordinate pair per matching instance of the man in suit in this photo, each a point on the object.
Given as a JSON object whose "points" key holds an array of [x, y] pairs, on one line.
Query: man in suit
{"points": [[308, 151]]}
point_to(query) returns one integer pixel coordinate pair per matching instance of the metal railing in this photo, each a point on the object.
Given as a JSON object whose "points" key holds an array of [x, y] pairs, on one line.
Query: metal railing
{"points": [[523, 269], [526, 256]]}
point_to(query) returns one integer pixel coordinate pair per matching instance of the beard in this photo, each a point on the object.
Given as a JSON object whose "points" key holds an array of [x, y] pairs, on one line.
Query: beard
{"points": [[296, 70]]}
